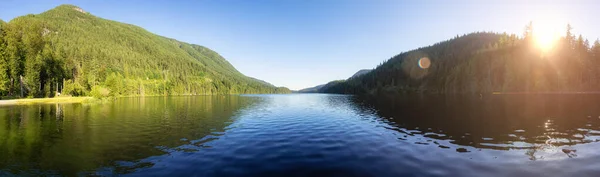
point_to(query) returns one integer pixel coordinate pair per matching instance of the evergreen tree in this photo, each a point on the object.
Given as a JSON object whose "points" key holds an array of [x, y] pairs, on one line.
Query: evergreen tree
{"points": [[3, 61]]}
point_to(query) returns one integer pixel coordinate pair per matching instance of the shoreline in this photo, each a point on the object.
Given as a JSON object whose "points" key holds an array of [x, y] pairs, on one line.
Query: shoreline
{"points": [[27, 101], [61, 100]]}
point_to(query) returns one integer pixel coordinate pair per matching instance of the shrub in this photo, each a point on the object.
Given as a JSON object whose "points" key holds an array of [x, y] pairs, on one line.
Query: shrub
{"points": [[99, 92], [114, 82], [73, 88]]}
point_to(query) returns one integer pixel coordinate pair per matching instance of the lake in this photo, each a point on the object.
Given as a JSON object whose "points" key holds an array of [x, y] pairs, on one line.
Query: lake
{"points": [[306, 135]]}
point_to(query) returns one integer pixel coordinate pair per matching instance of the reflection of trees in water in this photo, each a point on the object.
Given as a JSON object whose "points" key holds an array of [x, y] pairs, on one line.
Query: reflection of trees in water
{"points": [[70, 138], [503, 122], [25, 131], [59, 111]]}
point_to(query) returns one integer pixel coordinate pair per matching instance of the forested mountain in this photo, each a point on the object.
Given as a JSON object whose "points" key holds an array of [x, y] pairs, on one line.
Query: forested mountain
{"points": [[314, 89], [74, 52], [322, 87], [360, 73], [486, 63]]}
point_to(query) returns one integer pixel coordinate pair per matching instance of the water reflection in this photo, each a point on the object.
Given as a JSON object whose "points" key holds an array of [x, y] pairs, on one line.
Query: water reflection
{"points": [[74, 139], [305, 135], [537, 123]]}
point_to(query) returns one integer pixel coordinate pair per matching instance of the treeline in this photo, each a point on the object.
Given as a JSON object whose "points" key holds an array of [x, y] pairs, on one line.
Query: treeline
{"points": [[485, 63], [67, 50]]}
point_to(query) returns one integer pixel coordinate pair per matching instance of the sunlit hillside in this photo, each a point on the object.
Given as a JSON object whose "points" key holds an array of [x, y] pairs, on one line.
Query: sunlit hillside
{"points": [[69, 50]]}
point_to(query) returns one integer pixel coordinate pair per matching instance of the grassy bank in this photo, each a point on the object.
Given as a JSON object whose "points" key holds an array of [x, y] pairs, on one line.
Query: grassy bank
{"points": [[27, 101]]}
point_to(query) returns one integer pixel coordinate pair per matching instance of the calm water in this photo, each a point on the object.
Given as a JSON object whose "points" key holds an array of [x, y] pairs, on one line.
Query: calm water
{"points": [[306, 135]]}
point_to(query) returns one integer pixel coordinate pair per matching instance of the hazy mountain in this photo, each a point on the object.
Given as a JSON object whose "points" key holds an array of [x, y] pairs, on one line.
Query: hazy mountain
{"points": [[360, 73], [314, 89], [320, 88]]}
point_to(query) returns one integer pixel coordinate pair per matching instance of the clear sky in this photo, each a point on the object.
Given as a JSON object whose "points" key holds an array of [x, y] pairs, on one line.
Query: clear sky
{"points": [[302, 43]]}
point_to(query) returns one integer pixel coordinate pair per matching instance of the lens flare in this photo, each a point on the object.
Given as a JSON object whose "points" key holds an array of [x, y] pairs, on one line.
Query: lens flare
{"points": [[424, 62]]}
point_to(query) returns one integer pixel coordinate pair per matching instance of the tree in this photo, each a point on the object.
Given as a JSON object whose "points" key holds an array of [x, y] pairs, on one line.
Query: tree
{"points": [[595, 50], [595, 57], [528, 33], [569, 37], [3, 61]]}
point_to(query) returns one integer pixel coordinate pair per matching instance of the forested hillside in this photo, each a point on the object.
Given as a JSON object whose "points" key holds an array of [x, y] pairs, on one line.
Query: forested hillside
{"points": [[360, 73], [314, 89], [74, 52], [486, 63], [321, 88]]}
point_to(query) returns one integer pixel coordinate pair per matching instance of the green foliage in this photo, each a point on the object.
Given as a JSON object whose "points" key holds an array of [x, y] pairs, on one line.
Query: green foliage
{"points": [[67, 44], [3, 61], [114, 82], [73, 88], [99, 92], [485, 63]]}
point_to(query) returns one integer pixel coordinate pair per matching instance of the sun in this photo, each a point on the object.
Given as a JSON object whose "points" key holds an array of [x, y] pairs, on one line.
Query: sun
{"points": [[545, 34]]}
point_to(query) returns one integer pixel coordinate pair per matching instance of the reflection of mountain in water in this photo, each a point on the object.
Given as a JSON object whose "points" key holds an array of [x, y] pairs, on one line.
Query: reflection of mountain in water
{"points": [[493, 122], [76, 138]]}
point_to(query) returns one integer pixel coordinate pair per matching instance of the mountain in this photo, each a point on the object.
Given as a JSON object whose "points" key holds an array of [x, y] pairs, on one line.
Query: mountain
{"points": [[331, 85], [322, 87], [314, 89], [360, 73], [485, 63], [69, 50]]}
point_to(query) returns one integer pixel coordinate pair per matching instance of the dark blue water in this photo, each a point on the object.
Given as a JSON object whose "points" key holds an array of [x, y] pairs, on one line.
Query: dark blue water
{"points": [[306, 135]]}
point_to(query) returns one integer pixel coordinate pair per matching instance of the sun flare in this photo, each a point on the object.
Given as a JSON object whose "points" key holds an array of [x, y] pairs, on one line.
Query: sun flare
{"points": [[545, 34]]}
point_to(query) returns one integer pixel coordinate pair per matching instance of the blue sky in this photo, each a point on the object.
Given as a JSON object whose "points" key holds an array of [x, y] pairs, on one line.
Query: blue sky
{"points": [[302, 43]]}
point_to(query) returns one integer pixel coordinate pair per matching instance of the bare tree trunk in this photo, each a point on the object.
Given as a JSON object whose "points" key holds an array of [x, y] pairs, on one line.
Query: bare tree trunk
{"points": [[12, 83], [21, 83]]}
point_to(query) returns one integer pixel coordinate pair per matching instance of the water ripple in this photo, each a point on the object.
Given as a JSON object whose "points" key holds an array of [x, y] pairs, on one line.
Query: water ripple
{"points": [[305, 135]]}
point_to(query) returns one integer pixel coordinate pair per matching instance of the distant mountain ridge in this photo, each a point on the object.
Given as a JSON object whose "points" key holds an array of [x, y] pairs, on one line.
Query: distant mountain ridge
{"points": [[314, 89], [360, 73], [322, 87]]}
